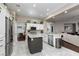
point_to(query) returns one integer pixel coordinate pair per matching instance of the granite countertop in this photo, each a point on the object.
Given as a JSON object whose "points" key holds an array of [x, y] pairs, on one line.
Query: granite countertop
{"points": [[55, 35], [35, 35]]}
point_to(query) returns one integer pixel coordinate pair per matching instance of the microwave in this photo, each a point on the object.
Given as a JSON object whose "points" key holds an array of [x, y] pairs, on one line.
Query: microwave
{"points": [[33, 28]]}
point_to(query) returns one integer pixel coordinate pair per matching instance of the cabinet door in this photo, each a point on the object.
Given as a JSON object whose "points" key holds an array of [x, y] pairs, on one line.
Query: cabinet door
{"points": [[2, 51], [2, 46], [2, 24], [2, 28], [46, 38], [39, 27]]}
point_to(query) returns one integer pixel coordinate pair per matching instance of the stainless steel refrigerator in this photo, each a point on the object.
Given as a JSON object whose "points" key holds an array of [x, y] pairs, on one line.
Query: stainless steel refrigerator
{"points": [[8, 37]]}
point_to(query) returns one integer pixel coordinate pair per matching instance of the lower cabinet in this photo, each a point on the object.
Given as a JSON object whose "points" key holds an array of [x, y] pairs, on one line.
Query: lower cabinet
{"points": [[2, 47], [2, 50], [35, 44]]}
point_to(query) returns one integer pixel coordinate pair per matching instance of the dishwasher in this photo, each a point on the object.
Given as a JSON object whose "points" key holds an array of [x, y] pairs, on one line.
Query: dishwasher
{"points": [[50, 40]]}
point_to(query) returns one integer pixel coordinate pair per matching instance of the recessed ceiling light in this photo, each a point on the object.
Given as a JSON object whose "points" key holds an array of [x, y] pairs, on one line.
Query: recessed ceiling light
{"points": [[65, 11], [18, 10], [48, 9], [34, 5]]}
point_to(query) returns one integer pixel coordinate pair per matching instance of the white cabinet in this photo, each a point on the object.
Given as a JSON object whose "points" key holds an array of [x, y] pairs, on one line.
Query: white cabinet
{"points": [[46, 38], [2, 53], [2, 27], [38, 26], [2, 34], [2, 22], [4, 13], [2, 46], [29, 25]]}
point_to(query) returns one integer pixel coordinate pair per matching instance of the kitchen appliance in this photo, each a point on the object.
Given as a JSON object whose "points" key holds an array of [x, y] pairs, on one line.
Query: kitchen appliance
{"points": [[8, 37], [33, 28], [50, 40], [58, 42]]}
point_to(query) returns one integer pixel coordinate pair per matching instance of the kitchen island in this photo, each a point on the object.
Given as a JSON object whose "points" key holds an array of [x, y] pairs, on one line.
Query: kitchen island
{"points": [[35, 43]]}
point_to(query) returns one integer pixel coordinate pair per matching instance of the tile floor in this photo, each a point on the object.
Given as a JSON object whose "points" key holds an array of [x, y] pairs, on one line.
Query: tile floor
{"points": [[21, 49]]}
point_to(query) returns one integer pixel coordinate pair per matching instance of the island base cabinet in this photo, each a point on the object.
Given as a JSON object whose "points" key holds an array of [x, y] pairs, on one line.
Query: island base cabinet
{"points": [[35, 44], [32, 51]]}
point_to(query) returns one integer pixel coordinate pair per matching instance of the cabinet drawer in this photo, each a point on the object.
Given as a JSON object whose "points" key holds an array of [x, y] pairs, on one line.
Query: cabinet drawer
{"points": [[2, 50], [2, 35], [2, 41], [2, 54], [2, 47]]}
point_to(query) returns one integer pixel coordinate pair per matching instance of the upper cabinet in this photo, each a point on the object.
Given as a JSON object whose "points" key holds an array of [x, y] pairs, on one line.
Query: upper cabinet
{"points": [[38, 26]]}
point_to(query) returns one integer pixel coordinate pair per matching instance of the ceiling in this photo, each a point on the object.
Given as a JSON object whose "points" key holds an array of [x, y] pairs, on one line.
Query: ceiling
{"points": [[37, 10], [71, 13]]}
